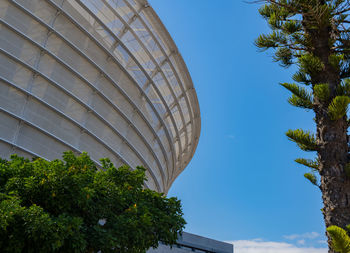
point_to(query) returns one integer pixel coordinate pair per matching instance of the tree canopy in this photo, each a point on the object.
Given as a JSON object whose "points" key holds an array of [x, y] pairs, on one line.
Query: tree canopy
{"points": [[70, 205]]}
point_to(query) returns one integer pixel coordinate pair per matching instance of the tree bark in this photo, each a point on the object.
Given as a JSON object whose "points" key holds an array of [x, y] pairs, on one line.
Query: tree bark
{"points": [[332, 141], [335, 185]]}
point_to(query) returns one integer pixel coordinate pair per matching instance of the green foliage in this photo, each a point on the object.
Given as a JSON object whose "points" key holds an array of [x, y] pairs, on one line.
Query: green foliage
{"points": [[284, 56], [340, 239], [300, 98], [305, 140], [308, 163], [301, 77], [338, 107], [336, 60], [291, 27], [344, 88], [299, 102], [310, 64], [311, 177], [297, 90], [322, 91], [295, 24], [59, 206], [266, 41]]}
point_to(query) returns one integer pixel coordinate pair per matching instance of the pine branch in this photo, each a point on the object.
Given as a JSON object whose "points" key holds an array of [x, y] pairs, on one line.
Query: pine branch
{"points": [[276, 40], [344, 30], [341, 12], [297, 90], [322, 91], [305, 140], [299, 102], [301, 97], [345, 74], [344, 88], [308, 163], [291, 26], [335, 60], [264, 42], [301, 78], [338, 107], [284, 5], [312, 178], [310, 64], [340, 239]]}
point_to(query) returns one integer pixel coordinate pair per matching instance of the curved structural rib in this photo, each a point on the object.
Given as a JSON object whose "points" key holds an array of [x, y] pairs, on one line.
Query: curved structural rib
{"points": [[102, 76]]}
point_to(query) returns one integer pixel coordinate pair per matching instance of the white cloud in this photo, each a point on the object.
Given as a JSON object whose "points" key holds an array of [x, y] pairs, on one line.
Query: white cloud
{"points": [[310, 235], [301, 242], [259, 246]]}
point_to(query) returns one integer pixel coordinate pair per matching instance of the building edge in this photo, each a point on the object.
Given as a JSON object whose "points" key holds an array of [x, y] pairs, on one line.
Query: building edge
{"points": [[153, 16]]}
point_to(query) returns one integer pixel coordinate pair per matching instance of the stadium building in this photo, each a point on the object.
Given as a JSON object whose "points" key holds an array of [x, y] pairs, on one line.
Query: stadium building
{"points": [[102, 76]]}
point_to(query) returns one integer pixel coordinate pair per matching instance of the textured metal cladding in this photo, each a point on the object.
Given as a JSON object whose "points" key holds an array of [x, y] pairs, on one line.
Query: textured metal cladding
{"points": [[102, 76]]}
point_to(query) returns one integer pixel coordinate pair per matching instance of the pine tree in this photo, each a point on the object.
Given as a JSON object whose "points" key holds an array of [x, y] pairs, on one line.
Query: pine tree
{"points": [[314, 35]]}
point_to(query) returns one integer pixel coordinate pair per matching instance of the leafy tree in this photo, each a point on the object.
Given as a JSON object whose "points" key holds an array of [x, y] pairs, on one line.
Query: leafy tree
{"points": [[314, 35], [72, 206]]}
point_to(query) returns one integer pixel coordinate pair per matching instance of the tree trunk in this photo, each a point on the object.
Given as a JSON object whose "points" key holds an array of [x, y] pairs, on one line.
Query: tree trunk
{"points": [[332, 140], [335, 185]]}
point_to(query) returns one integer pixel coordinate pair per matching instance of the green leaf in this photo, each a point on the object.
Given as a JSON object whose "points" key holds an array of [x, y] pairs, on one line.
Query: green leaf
{"points": [[305, 140], [338, 107], [340, 239]]}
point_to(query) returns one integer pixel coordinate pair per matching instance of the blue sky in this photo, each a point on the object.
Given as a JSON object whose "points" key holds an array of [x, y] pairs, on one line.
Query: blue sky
{"points": [[242, 184]]}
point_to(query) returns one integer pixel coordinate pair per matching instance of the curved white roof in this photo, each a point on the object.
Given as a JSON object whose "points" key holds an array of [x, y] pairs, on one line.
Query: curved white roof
{"points": [[102, 76]]}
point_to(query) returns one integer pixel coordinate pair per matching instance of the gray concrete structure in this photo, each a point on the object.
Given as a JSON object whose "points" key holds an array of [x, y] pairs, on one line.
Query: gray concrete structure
{"points": [[102, 76], [194, 243]]}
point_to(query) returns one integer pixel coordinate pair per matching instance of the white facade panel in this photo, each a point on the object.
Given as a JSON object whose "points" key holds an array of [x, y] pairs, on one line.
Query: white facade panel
{"points": [[102, 76]]}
